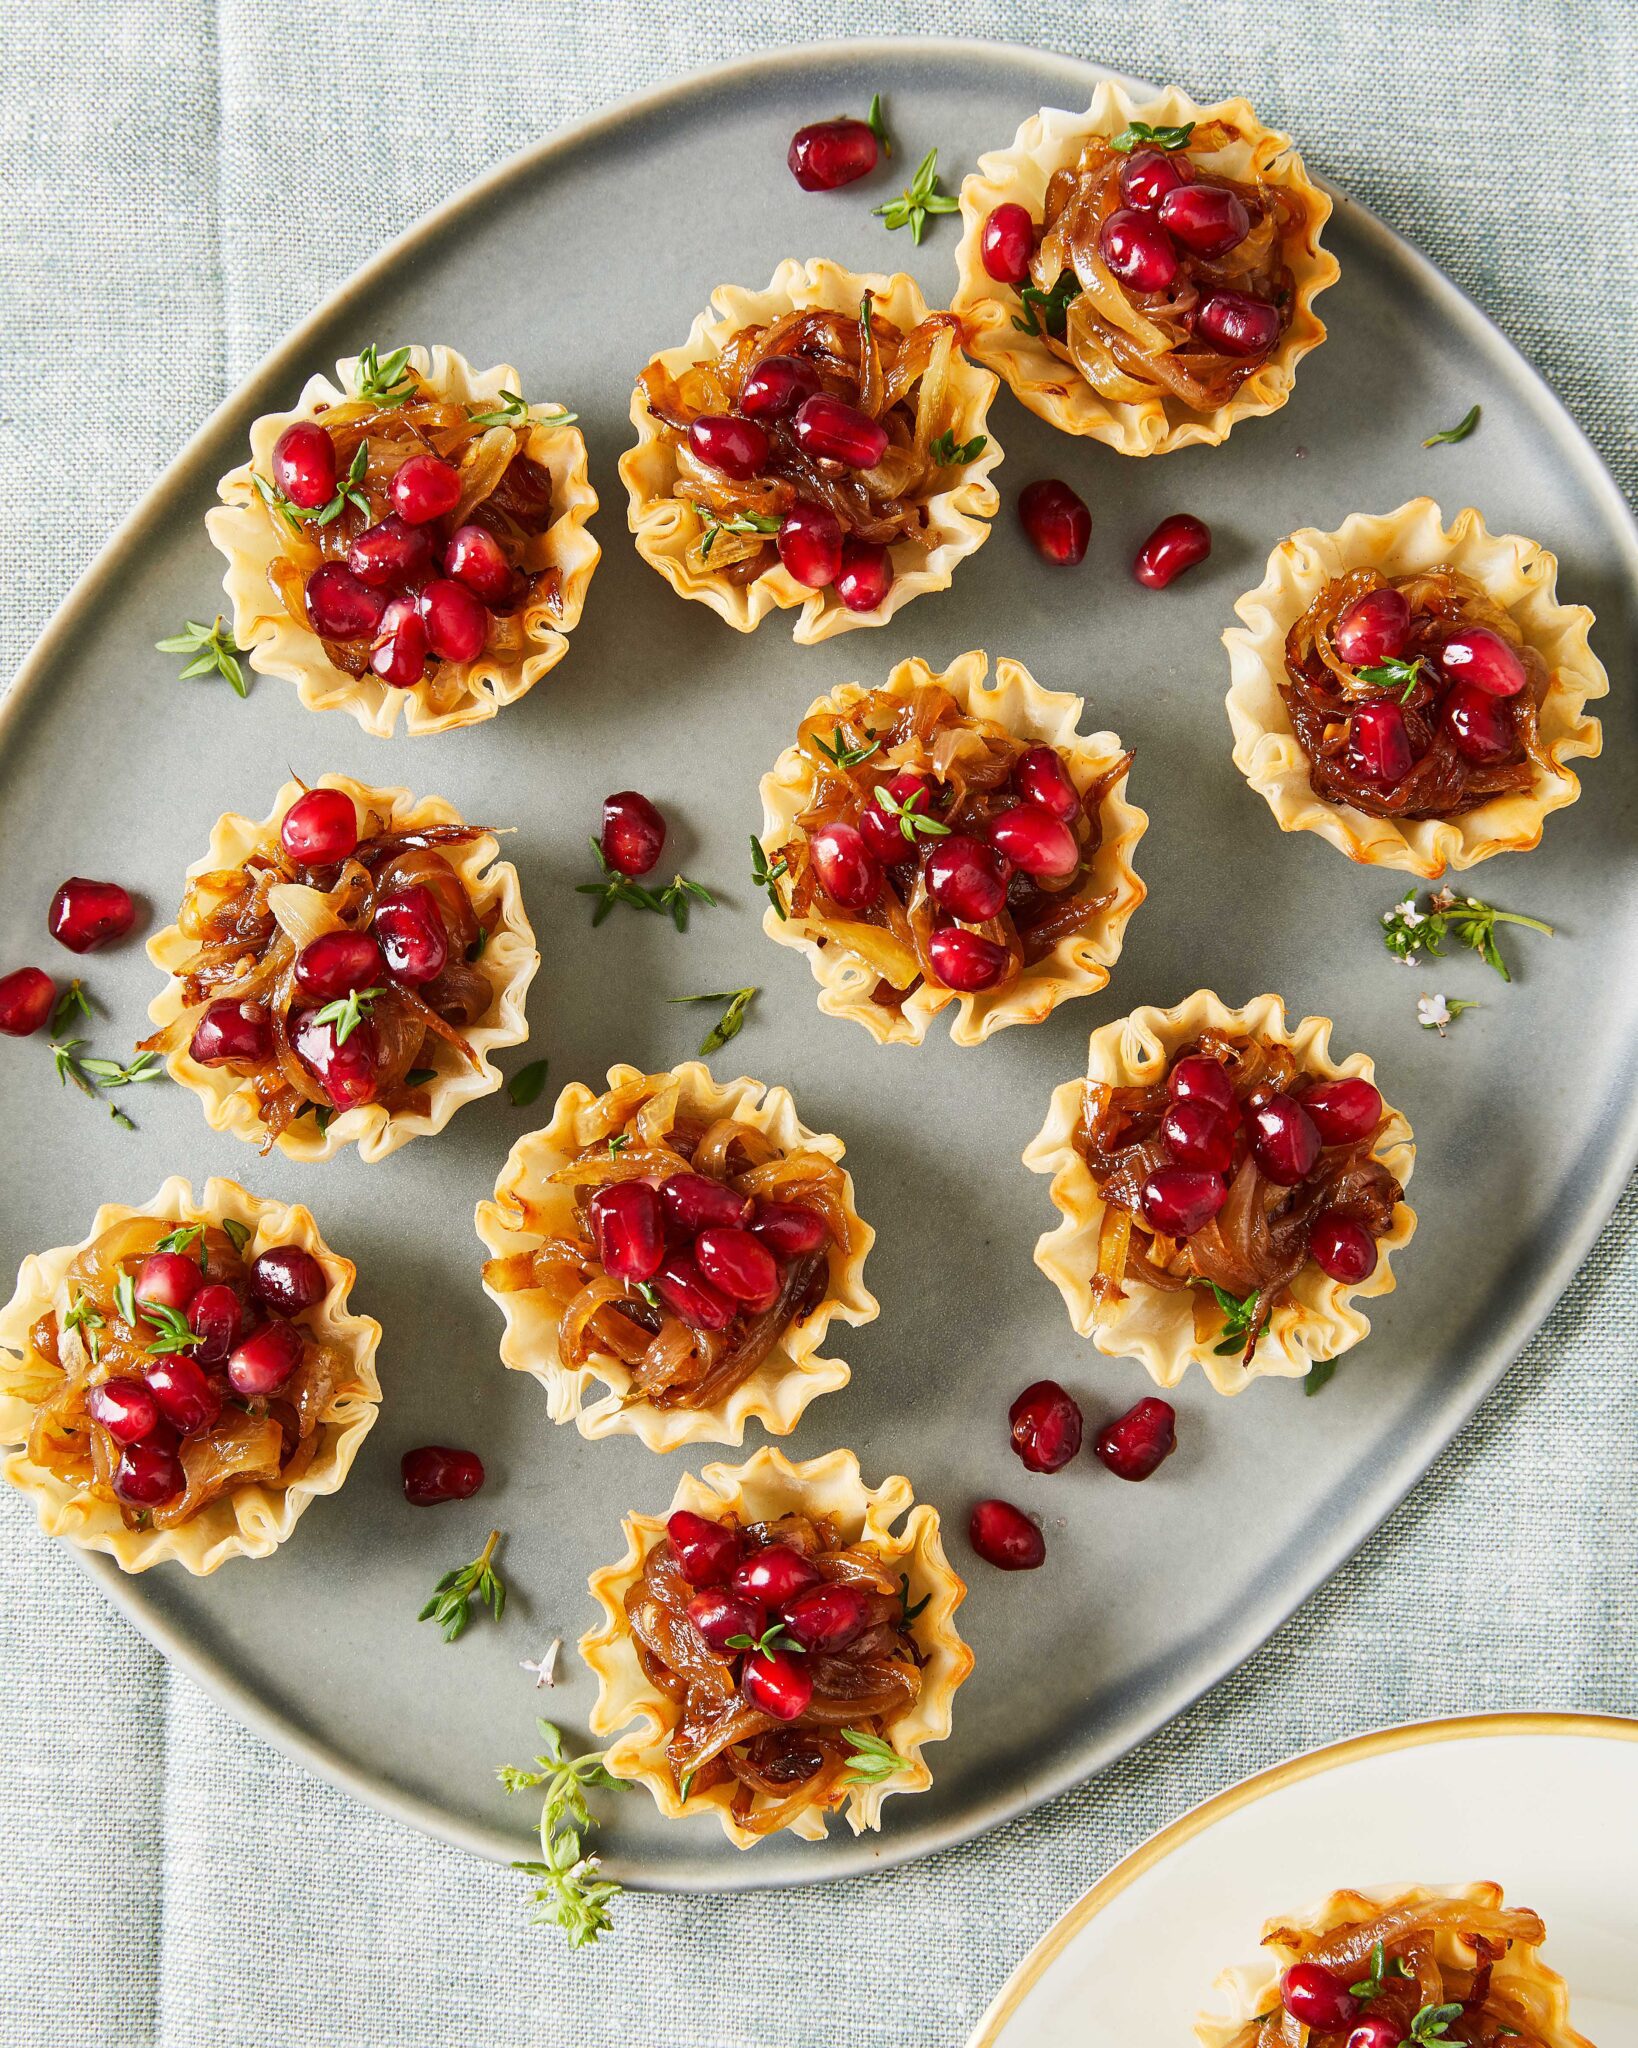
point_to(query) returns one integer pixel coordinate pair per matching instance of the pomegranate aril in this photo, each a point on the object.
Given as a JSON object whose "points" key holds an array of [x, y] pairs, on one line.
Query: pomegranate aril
{"points": [[347, 1072], [966, 961], [1179, 1200], [788, 1229], [810, 544], [1342, 1247], [1006, 243], [1202, 1079], [425, 488], [410, 930], [848, 872], [1040, 777], [774, 1574], [86, 914], [456, 620], [1137, 250], [184, 1393], [149, 1473], [629, 1229], [1485, 660], [777, 1683], [1373, 629], [827, 1618], [1140, 1441], [1379, 746], [167, 1280], [1198, 1134], [881, 830], [338, 962], [686, 1292], [1207, 219], [827, 154], [27, 998], [633, 835], [1032, 839], [217, 1318], [694, 1202], [720, 1617], [320, 828], [1317, 1997], [1285, 1140], [474, 557], [263, 1361], [1148, 175], [398, 654], [1375, 2032], [1238, 324], [1481, 726], [1046, 1426], [1343, 1111], [287, 1279], [706, 1551], [777, 386], [434, 1473], [736, 447], [304, 465], [231, 1031], [968, 878], [1177, 543], [1057, 521], [834, 431], [1005, 1536], [124, 1408], [866, 575], [734, 1261], [391, 554], [339, 605]]}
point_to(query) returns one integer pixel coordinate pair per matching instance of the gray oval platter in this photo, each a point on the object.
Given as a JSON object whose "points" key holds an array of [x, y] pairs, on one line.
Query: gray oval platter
{"points": [[1524, 1118]]}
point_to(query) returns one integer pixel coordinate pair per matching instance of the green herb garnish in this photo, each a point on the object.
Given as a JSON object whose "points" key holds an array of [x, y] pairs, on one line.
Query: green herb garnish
{"points": [[388, 382], [70, 1003], [618, 1143], [348, 492], [347, 1012], [1465, 918], [1047, 313], [1431, 2025], [238, 1232], [526, 1084], [1393, 674], [172, 1330], [877, 126], [873, 1760], [918, 199], [672, 901], [512, 407], [949, 453], [728, 1025], [840, 749], [741, 522], [763, 1645], [213, 650], [1318, 1375], [452, 1597], [908, 1611], [84, 1315], [1162, 138], [1383, 1966], [1239, 1317], [418, 1077], [768, 875], [1463, 427], [913, 820], [571, 1894], [183, 1239]]}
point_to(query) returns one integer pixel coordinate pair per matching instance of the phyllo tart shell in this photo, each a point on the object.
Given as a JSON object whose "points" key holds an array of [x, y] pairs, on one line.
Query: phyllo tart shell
{"points": [[1314, 1319], [252, 1517], [1518, 576], [1047, 381], [766, 1486], [508, 961], [530, 1207], [956, 516], [1078, 965], [252, 536]]}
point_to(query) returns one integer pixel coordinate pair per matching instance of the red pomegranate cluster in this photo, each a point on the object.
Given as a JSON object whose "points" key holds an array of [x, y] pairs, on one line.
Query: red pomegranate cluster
{"points": [[938, 846], [819, 437], [1151, 274], [356, 1012], [189, 1369], [1413, 696], [1231, 1173], [692, 1248], [771, 1639], [408, 530]]}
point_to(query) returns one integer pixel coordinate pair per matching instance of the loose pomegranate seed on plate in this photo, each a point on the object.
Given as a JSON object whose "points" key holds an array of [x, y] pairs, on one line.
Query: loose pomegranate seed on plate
{"points": [[304, 465], [286, 1278], [27, 998], [434, 1473], [1484, 659], [398, 654], [320, 829], [1005, 1537], [1140, 1442], [788, 1229], [338, 962], [834, 431], [968, 878], [1200, 1078], [1344, 1111], [217, 1318], [737, 447], [1373, 629], [340, 606], [347, 1072], [848, 873], [694, 1202], [1198, 1134], [1480, 725], [720, 1616], [828, 154], [1137, 250], [827, 1618], [1177, 543], [739, 1265], [633, 835], [1343, 1248], [1317, 1997], [184, 1393], [230, 1031], [628, 1227], [1148, 175], [1006, 243], [474, 557], [1238, 324], [263, 1361], [124, 1408], [810, 544], [1046, 1426], [413, 939], [1379, 747], [686, 1292], [777, 1683], [1208, 219], [424, 488], [1179, 1200], [393, 554], [966, 961], [1040, 777], [774, 1574], [166, 1280], [149, 1473], [456, 619], [777, 386], [1032, 839], [85, 914], [866, 575], [1056, 520], [706, 1551], [1285, 1140]]}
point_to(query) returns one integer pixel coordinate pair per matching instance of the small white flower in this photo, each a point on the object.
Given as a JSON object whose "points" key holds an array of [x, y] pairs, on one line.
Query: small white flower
{"points": [[544, 1668], [1445, 899], [1433, 1013], [1407, 912], [1409, 959]]}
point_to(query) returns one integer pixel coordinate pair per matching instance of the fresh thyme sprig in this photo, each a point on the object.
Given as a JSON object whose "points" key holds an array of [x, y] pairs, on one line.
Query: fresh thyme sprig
{"points": [[1463, 427], [763, 1645], [172, 1332], [728, 1024], [741, 522], [90, 1073], [873, 1760], [526, 1084], [1465, 918], [768, 874], [1431, 2026], [238, 1233], [452, 1597], [918, 199], [1162, 138], [912, 819], [908, 1609], [842, 751], [1047, 313], [1383, 1966], [385, 381], [183, 1239], [213, 650], [618, 1141], [71, 1003], [350, 490], [512, 407], [1239, 1317], [347, 1012], [276, 502], [949, 453], [672, 901], [84, 1315], [1393, 674], [878, 126], [571, 1894]]}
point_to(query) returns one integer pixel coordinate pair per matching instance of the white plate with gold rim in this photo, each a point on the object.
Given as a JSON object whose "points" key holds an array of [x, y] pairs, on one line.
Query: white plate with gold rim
{"points": [[1544, 1804]]}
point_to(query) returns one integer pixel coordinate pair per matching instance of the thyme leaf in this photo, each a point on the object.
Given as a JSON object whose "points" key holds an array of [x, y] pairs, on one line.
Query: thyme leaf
{"points": [[1239, 1317], [949, 453], [73, 999], [728, 1025], [873, 1760], [918, 199], [387, 381], [512, 408], [840, 748], [237, 1231], [1047, 313], [878, 126], [1393, 674], [1383, 1966], [451, 1603], [1318, 1375], [908, 1610], [741, 522], [768, 875], [347, 1012], [1466, 919], [213, 651], [571, 1894], [526, 1084], [763, 1645], [912, 817], [1162, 138], [172, 1330], [672, 901], [1431, 2025], [84, 1315], [350, 491], [1463, 427]]}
